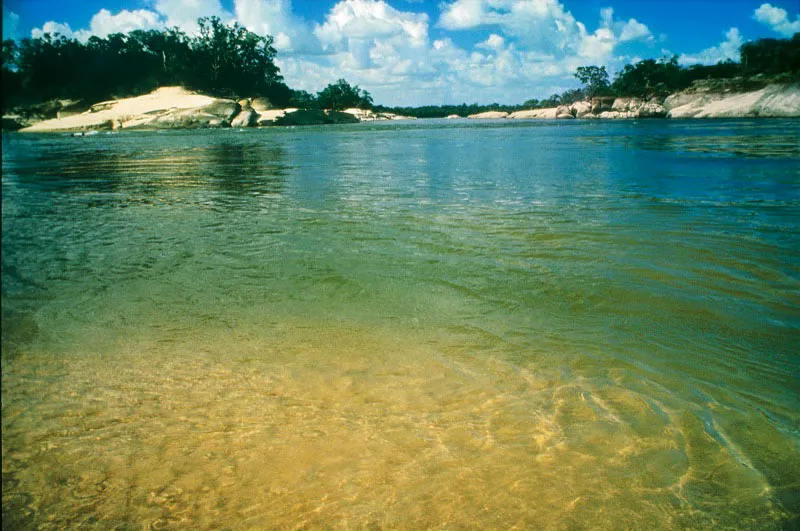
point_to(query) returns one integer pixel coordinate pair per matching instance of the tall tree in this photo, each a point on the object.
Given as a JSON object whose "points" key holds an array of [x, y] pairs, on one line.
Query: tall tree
{"points": [[341, 95], [232, 60], [650, 77], [594, 79]]}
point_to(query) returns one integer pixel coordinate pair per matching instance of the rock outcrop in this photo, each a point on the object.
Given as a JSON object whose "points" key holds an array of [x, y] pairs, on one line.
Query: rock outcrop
{"points": [[621, 108], [705, 101], [626, 105], [602, 103], [367, 115], [177, 108], [166, 107], [316, 117], [269, 116], [534, 114], [617, 115], [246, 118], [564, 112], [581, 109], [261, 104], [652, 109], [489, 115]]}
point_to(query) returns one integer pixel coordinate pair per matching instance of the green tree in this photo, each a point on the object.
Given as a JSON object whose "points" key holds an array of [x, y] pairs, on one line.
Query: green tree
{"points": [[771, 56], [650, 77], [11, 82], [303, 100], [594, 79], [230, 60], [571, 96], [341, 95]]}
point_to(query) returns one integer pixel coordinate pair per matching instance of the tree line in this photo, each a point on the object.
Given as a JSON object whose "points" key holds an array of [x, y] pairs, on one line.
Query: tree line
{"points": [[231, 61], [647, 79], [224, 60]]}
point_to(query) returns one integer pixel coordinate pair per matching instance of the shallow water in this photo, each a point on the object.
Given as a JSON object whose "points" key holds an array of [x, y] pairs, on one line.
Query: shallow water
{"points": [[422, 325]]}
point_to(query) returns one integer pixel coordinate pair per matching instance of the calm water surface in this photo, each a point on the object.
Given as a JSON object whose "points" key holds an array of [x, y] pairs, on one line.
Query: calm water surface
{"points": [[422, 325]]}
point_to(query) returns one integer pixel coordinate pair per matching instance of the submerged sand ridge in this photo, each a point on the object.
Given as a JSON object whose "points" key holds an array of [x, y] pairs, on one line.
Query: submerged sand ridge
{"points": [[328, 425]]}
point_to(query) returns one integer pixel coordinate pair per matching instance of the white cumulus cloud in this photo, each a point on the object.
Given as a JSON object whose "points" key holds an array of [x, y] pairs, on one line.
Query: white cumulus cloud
{"points": [[532, 47], [494, 42], [370, 20], [104, 23], [184, 13], [291, 33], [53, 28], [727, 49], [635, 30], [777, 19]]}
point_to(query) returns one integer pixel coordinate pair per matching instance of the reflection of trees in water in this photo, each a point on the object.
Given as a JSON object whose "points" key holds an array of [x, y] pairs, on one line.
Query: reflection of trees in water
{"points": [[141, 169], [246, 167]]}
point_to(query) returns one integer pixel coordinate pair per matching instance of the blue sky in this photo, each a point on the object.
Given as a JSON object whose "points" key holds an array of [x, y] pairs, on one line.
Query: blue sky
{"points": [[414, 52]]}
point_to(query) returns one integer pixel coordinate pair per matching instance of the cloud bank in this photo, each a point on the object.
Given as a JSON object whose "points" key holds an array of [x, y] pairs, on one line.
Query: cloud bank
{"points": [[529, 48]]}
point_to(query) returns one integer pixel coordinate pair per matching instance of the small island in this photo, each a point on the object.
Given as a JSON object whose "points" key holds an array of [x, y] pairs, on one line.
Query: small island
{"points": [[226, 76]]}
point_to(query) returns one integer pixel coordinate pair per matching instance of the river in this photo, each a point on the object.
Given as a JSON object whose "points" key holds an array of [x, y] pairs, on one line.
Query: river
{"points": [[403, 325]]}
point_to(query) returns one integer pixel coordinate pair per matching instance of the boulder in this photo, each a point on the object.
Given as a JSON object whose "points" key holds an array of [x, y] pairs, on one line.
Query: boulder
{"points": [[315, 117], [103, 106], [652, 110], [261, 104], [361, 114], [534, 114], [489, 115], [246, 118], [777, 100], [626, 104], [579, 109], [268, 117], [184, 119], [336, 117], [244, 104], [564, 112], [224, 109], [452, 117], [601, 104], [134, 122], [617, 115]]}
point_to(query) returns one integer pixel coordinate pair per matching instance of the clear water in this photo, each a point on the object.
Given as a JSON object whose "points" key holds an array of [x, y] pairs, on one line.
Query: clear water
{"points": [[424, 325]]}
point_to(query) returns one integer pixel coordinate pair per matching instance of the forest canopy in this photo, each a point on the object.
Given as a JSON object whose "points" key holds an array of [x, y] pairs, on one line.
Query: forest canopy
{"points": [[223, 60]]}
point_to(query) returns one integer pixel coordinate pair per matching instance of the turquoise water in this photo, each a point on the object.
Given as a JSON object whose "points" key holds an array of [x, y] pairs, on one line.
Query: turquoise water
{"points": [[404, 325]]}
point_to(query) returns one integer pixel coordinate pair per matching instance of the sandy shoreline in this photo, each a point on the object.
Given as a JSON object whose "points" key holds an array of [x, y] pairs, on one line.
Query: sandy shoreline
{"points": [[179, 108]]}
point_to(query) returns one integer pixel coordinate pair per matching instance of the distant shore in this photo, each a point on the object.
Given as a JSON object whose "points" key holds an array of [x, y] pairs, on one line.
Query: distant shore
{"points": [[703, 100], [179, 108]]}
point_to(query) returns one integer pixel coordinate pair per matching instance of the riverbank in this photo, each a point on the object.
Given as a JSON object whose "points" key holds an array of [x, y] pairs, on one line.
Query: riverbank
{"points": [[176, 108], [707, 99], [179, 108]]}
